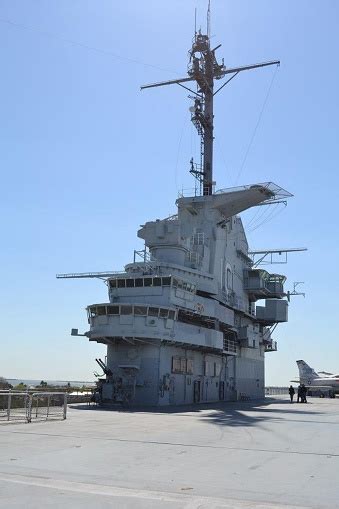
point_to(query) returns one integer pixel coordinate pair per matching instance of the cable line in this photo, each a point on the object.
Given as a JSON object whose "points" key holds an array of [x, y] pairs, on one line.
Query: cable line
{"points": [[73, 42], [256, 127]]}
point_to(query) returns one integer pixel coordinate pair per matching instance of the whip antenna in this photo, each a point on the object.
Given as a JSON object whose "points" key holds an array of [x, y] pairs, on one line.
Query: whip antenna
{"points": [[209, 19]]}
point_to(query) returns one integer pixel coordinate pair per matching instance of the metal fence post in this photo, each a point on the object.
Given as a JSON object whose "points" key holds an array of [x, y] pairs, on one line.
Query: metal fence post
{"points": [[9, 400], [65, 405], [29, 408]]}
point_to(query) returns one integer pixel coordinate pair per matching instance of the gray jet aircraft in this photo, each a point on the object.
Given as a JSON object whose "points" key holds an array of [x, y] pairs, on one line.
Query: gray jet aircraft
{"points": [[322, 382]]}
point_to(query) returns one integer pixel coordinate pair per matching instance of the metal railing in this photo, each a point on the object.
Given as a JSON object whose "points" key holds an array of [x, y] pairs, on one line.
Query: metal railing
{"points": [[36, 406], [271, 346], [230, 345], [13, 406], [276, 391]]}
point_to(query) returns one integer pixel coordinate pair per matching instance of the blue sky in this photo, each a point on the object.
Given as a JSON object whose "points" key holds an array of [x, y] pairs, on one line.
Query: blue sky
{"points": [[86, 158]]}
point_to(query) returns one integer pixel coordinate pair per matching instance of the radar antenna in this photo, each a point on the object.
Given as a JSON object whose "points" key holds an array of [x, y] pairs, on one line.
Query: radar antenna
{"points": [[203, 69]]}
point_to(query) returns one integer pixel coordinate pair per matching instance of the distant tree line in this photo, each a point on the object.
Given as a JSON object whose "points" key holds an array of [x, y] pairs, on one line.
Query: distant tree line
{"points": [[43, 386], [4, 385]]}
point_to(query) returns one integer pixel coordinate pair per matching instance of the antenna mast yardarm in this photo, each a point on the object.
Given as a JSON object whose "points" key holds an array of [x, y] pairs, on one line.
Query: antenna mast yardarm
{"points": [[204, 69]]}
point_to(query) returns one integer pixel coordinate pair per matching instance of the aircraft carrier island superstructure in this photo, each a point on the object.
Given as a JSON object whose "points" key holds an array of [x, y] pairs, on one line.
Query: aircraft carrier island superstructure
{"points": [[184, 325]]}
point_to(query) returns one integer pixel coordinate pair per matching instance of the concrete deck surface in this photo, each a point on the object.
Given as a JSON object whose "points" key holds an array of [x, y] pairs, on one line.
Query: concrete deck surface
{"points": [[250, 455]]}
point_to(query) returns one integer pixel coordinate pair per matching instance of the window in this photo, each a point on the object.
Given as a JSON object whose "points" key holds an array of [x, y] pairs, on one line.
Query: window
{"points": [[113, 283], [176, 364], [140, 310], [166, 281], [112, 310], [126, 310], [121, 283], [189, 366], [157, 281], [130, 283], [139, 282], [182, 365], [163, 313], [148, 281]]}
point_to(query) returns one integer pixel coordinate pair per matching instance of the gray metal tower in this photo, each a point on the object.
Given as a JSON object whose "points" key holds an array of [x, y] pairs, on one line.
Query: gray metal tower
{"points": [[204, 69]]}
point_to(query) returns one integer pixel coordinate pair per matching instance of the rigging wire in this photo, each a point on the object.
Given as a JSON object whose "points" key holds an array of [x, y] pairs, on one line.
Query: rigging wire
{"points": [[265, 218], [73, 42], [178, 153], [255, 216], [274, 213], [258, 215], [256, 126]]}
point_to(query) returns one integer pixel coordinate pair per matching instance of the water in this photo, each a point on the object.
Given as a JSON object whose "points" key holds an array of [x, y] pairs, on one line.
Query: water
{"points": [[74, 383]]}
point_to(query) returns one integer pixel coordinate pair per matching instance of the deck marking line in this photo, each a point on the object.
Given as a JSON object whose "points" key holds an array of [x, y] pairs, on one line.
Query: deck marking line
{"points": [[187, 501], [178, 444]]}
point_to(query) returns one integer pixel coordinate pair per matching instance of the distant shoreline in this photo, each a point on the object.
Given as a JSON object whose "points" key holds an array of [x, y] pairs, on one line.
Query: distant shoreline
{"points": [[80, 383]]}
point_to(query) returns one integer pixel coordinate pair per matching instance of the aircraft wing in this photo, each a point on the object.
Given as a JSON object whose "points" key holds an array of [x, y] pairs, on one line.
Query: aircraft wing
{"points": [[320, 386], [325, 373]]}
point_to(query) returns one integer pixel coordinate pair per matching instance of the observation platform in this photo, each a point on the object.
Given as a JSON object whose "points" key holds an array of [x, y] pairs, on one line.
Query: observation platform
{"points": [[258, 455]]}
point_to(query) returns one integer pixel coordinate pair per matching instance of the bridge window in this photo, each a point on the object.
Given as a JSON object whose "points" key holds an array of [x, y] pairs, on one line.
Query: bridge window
{"points": [[140, 310], [112, 310], [126, 310], [151, 281]]}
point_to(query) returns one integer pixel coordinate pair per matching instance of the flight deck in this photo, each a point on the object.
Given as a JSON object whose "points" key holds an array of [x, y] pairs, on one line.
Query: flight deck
{"points": [[268, 454]]}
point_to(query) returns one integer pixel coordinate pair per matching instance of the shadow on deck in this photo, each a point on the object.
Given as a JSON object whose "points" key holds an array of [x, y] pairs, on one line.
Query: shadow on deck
{"points": [[240, 413]]}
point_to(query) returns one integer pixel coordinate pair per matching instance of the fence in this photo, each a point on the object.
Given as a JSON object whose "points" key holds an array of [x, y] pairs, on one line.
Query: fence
{"points": [[36, 406], [276, 391]]}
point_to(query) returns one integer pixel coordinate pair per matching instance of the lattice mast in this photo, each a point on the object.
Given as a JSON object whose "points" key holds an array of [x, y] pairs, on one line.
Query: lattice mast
{"points": [[204, 69]]}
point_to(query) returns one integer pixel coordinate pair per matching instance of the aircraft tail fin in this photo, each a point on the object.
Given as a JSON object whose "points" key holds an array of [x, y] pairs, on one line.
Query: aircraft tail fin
{"points": [[306, 373]]}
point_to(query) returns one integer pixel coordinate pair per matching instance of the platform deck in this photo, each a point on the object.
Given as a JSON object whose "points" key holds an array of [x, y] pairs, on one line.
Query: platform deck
{"points": [[255, 455]]}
